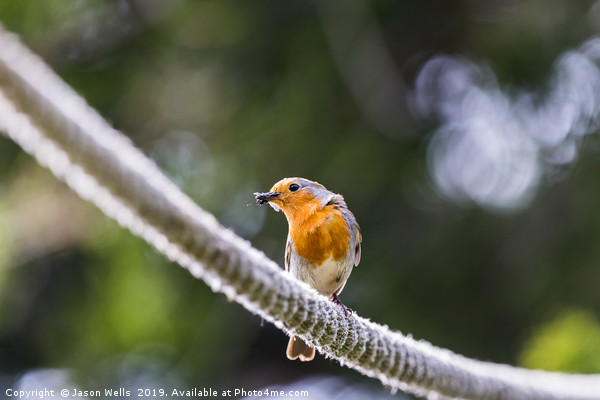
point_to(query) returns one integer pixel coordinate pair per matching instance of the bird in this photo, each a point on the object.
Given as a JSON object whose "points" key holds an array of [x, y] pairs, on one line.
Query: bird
{"points": [[323, 243]]}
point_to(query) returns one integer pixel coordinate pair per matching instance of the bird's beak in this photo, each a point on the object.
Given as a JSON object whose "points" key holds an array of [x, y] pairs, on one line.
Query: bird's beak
{"points": [[262, 198]]}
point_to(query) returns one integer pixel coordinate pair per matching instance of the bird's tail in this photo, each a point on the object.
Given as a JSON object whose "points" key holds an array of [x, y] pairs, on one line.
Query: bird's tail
{"points": [[297, 348]]}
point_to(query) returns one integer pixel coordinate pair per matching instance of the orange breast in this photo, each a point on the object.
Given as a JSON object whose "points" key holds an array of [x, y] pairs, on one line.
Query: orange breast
{"points": [[322, 235]]}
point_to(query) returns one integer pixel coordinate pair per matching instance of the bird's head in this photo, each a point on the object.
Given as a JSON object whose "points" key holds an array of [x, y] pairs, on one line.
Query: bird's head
{"points": [[296, 197]]}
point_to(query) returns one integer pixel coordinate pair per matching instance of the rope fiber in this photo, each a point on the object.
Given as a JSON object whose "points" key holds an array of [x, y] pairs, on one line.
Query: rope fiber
{"points": [[45, 117]]}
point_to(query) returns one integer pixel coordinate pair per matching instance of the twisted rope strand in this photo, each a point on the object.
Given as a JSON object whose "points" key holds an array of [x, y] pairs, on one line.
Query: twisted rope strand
{"points": [[52, 123]]}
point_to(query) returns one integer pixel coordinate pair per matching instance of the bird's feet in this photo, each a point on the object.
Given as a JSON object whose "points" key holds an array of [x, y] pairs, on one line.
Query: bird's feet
{"points": [[347, 310]]}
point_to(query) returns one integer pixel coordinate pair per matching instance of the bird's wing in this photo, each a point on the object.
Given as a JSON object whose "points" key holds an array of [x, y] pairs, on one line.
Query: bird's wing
{"points": [[288, 253], [357, 249]]}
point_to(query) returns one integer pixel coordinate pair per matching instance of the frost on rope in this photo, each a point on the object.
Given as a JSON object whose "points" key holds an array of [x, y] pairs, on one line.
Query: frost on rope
{"points": [[53, 124]]}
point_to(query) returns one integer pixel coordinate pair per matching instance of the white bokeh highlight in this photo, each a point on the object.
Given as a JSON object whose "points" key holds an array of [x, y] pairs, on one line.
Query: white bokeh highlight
{"points": [[495, 146]]}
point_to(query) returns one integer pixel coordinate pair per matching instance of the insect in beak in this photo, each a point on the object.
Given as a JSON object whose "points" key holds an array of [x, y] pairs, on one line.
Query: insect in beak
{"points": [[262, 198]]}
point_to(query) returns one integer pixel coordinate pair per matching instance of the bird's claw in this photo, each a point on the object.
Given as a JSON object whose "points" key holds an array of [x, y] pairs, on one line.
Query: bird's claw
{"points": [[347, 310]]}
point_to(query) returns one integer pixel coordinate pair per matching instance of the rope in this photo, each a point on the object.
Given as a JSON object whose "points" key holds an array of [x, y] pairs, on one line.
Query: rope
{"points": [[51, 122]]}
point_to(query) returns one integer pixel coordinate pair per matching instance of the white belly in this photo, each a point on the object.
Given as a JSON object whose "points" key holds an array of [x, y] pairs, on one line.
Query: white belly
{"points": [[326, 278]]}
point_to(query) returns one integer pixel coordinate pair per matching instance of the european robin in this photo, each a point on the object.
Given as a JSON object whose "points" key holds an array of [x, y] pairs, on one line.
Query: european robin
{"points": [[323, 243]]}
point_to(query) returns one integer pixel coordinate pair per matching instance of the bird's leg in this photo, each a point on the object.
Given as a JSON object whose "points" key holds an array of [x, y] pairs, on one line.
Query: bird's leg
{"points": [[336, 300]]}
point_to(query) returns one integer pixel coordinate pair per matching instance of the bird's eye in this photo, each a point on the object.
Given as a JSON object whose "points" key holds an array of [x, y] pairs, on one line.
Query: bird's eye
{"points": [[294, 187]]}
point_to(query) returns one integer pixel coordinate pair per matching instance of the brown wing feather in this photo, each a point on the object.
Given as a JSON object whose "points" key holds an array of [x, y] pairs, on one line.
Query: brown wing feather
{"points": [[357, 250], [288, 254]]}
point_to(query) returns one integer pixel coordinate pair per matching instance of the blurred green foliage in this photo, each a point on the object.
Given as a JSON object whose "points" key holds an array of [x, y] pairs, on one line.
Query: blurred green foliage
{"points": [[570, 342], [230, 96]]}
